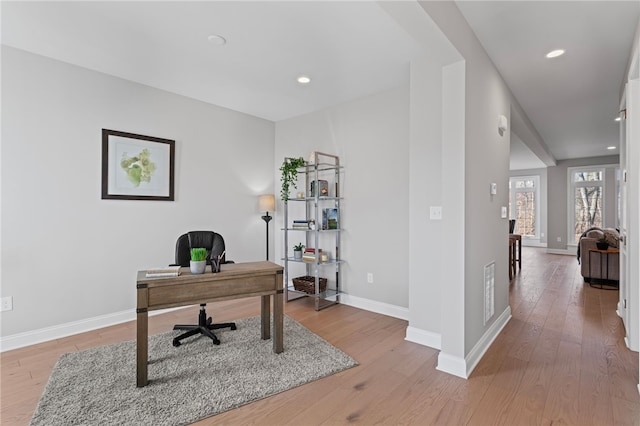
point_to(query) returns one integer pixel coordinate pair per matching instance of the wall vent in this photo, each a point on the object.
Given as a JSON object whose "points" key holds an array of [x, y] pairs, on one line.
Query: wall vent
{"points": [[489, 291]]}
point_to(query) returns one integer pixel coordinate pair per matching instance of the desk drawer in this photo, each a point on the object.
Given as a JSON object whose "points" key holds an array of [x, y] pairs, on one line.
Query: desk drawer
{"points": [[199, 292]]}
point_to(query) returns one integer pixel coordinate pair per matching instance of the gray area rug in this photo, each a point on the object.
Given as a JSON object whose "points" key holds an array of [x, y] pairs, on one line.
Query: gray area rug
{"points": [[188, 383]]}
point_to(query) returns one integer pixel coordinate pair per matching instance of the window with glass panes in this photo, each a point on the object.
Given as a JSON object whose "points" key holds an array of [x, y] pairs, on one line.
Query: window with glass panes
{"points": [[585, 202], [523, 205]]}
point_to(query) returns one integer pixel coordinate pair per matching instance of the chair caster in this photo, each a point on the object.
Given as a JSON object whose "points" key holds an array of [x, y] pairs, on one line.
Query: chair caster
{"points": [[216, 342], [233, 327], [176, 342]]}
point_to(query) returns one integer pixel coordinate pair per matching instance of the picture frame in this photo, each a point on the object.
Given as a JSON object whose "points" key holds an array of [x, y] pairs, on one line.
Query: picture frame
{"points": [[324, 188], [137, 167]]}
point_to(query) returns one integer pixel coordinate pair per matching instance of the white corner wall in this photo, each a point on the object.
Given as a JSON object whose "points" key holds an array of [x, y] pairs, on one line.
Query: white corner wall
{"points": [[69, 259], [371, 137], [426, 275], [465, 335]]}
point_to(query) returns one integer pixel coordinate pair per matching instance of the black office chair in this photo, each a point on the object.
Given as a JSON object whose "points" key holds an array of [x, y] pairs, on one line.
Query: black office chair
{"points": [[214, 243]]}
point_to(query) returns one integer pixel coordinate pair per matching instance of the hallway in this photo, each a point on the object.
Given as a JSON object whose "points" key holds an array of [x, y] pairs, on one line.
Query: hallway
{"points": [[562, 357]]}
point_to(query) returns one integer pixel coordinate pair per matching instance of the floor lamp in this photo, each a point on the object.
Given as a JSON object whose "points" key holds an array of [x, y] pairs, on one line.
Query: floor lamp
{"points": [[266, 204]]}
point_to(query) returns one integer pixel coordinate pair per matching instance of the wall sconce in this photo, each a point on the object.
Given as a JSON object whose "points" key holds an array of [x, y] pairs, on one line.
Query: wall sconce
{"points": [[502, 124], [267, 203]]}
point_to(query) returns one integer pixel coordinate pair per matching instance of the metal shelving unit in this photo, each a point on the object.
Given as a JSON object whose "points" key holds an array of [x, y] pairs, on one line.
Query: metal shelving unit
{"points": [[311, 204]]}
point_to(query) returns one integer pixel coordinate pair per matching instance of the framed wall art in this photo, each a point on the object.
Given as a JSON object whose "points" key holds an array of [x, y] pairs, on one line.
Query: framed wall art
{"points": [[137, 167]]}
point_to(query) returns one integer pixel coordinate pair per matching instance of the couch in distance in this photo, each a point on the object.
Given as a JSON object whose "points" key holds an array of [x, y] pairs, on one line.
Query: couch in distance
{"points": [[593, 262]]}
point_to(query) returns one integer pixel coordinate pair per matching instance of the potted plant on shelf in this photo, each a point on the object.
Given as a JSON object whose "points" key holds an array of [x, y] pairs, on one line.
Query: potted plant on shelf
{"points": [[289, 177], [198, 260], [602, 243], [297, 251]]}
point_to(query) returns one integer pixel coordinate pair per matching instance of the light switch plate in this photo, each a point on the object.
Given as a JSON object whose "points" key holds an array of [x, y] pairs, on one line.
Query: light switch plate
{"points": [[504, 212], [494, 188], [435, 213]]}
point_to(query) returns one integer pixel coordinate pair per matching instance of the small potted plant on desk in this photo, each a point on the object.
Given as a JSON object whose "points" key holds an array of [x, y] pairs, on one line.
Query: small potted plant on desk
{"points": [[297, 251], [602, 244], [198, 260]]}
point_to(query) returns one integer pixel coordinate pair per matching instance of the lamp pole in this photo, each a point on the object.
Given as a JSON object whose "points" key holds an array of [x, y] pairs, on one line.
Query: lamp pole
{"points": [[266, 219], [267, 203]]}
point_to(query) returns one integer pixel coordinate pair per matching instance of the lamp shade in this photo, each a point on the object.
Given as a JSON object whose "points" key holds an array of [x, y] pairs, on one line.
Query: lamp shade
{"points": [[267, 203]]}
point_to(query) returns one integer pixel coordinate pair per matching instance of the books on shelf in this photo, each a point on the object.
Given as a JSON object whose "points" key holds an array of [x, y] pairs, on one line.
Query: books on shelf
{"points": [[330, 218], [309, 255], [300, 224], [168, 271]]}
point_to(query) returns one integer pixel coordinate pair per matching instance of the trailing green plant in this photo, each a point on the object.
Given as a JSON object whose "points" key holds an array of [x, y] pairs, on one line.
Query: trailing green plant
{"points": [[289, 178], [198, 254], [298, 247]]}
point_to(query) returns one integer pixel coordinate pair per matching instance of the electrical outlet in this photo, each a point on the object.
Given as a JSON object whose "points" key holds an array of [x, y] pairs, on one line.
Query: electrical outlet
{"points": [[435, 213], [7, 303], [370, 278]]}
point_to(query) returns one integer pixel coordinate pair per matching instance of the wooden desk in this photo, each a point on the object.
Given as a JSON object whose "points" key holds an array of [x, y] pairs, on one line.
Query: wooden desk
{"points": [[234, 281]]}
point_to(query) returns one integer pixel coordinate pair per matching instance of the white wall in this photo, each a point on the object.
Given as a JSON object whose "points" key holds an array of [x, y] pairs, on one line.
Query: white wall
{"points": [[371, 137], [67, 255], [425, 188], [486, 157]]}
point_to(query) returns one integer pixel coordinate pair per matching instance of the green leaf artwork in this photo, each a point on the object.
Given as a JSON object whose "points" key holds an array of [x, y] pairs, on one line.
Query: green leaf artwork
{"points": [[139, 168]]}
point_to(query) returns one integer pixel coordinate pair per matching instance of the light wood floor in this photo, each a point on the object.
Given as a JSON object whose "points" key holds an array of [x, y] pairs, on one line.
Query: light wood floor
{"points": [[560, 360]]}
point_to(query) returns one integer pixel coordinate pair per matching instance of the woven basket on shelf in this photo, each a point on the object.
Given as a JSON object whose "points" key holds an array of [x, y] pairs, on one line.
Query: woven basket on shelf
{"points": [[307, 284]]}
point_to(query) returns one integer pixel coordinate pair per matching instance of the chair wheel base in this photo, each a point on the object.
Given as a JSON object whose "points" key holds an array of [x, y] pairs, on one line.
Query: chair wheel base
{"points": [[204, 327]]}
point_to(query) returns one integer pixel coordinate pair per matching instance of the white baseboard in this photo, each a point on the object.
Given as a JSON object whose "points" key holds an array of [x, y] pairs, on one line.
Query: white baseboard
{"points": [[480, 348], [463, 367], [375, 306], [451, 364], [33, 337], [46, 334], [424, 337], [534, 243], [560, 251]]}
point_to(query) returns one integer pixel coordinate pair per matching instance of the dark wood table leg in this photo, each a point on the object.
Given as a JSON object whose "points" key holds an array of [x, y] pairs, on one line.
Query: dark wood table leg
{"points": [[513, 256], [511, 260], [278, 320], [264, 321], [142, 348]]}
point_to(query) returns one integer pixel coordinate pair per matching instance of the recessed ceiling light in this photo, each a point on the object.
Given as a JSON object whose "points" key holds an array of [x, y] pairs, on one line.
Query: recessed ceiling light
{"points": [[617, 119], [611, 147], [216, 39], [304, 79], [555, 53]]}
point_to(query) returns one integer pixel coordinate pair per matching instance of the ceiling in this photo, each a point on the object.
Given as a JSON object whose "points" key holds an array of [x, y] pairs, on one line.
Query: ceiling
{"points": [[571, 100], [350, 50]]}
